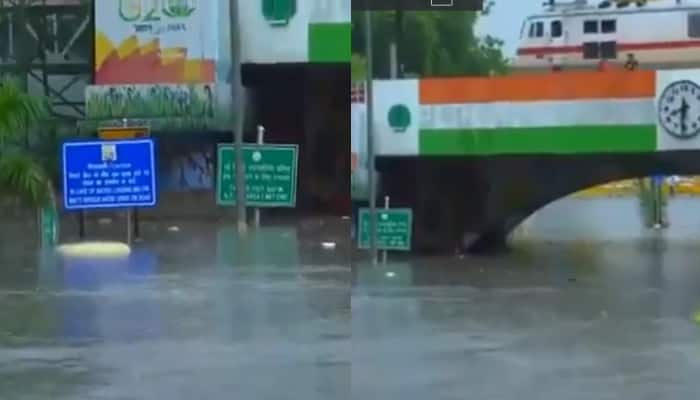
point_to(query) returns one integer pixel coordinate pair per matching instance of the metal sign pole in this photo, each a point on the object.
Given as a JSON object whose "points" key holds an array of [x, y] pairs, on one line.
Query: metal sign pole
{"points": [[129, 211], [129, 238], [238, 94], [370, 140], [260, 141], [384, 252]]}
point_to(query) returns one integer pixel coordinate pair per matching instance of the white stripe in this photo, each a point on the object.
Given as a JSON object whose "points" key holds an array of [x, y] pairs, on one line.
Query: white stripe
{"points": [[538, 114], [386, 95]]}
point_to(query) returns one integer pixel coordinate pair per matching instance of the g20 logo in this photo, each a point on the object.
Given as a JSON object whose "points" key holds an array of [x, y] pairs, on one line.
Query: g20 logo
{"points": [[154, 10]]}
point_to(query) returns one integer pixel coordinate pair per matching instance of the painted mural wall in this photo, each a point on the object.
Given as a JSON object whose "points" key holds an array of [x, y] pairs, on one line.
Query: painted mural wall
{"points": [[185, 167], [162, 59], [295, 31], [154, 41]]}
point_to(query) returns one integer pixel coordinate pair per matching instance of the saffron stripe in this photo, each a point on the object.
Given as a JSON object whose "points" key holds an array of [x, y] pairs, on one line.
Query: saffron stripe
{"points": [[574, 85]]}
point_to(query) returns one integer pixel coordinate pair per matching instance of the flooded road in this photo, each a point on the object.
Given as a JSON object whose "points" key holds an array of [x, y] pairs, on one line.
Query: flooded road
{"points": [[194, 314], [588, 305]]}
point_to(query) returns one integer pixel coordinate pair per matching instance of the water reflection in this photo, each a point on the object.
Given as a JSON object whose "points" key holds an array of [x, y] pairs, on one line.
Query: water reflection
{"points": [[98, 303], [185, 316], [592, 306]]}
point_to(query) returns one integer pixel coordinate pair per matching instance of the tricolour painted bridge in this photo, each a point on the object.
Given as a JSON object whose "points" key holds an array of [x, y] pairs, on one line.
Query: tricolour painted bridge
{"points": [[475, 156]]}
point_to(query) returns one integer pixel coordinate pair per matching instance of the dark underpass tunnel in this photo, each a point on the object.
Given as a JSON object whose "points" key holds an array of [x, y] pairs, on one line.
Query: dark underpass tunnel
{"points": [[493, 195], [652, 192], [306, 105]]}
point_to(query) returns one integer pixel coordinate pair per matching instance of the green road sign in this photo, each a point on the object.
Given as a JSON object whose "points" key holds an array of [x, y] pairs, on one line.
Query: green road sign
{"points": [[270, 175], [49, 227], [394, 227]]}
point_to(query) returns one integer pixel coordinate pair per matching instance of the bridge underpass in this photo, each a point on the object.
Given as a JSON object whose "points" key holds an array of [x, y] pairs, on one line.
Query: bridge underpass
{"points": [[474, 157], [481, 200]]}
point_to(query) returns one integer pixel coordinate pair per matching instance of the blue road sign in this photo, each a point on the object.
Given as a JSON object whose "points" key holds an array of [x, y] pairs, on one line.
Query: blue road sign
{"points": [[109, 174]]}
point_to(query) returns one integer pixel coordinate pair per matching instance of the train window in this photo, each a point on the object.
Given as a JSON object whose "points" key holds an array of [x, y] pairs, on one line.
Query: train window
{"points": [[608, 26], [694, 25], [590, 26], [591, 50], [608, 50], [555, 29], [539, 29]]}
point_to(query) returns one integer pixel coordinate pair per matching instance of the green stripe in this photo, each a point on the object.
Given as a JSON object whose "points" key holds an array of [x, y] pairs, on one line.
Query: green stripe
{"points": [[567, 140], [329, 42]]}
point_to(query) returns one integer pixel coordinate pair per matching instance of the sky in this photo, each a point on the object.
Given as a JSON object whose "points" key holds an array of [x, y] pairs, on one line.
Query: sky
{"points": [[506, 19]]}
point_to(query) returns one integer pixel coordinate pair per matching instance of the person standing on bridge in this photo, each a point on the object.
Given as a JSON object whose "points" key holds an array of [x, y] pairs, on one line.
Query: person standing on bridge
{"points": [[631, 64]]}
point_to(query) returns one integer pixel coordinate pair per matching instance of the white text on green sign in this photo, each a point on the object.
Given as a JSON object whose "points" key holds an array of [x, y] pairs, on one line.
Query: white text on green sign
{"points": [[270, 175], [394, 227]]}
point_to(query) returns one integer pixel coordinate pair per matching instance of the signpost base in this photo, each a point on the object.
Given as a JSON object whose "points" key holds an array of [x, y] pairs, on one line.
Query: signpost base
{"points": [[384, 252], [81, 225], [129, 231], [48, 227], [260, 141]]}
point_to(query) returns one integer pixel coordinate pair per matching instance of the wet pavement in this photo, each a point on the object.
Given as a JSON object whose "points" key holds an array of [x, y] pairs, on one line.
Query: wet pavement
{"points": [[588, 305], [196, 313]]}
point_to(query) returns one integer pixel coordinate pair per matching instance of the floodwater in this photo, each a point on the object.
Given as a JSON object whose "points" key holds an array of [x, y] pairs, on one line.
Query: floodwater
{"points": [[588, 305], [191, 314]]}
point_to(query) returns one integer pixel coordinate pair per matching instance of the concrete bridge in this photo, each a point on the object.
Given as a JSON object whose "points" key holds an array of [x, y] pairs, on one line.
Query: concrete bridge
{"points": [[474, 157]]}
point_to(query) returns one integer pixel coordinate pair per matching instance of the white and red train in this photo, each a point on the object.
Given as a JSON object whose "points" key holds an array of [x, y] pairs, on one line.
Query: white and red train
{"points": [[580, 33]]}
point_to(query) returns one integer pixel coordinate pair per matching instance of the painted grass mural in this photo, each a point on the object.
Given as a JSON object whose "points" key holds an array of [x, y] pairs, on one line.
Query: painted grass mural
{"points": [[167, 106], [150, 101]]}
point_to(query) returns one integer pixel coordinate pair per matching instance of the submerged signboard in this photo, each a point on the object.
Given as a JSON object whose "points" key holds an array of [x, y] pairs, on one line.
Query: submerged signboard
{"points": [[109, 174]]}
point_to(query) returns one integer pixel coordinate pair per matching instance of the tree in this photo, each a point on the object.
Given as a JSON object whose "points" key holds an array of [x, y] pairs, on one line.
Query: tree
{"points": [[431, 44], [21, 174]]}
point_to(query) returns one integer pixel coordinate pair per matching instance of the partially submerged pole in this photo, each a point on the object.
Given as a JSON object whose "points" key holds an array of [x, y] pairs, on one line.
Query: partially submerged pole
{"points": [[238, 94], [370, 140]]}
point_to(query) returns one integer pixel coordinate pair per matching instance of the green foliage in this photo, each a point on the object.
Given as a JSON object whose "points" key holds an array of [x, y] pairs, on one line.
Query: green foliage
{"points": [[21, 174], [18, 111], [431, 44]]}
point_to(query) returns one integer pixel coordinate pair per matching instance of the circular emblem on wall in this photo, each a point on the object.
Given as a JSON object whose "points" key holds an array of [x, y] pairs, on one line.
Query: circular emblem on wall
{"points": [[399, 118], [679, 109]]}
